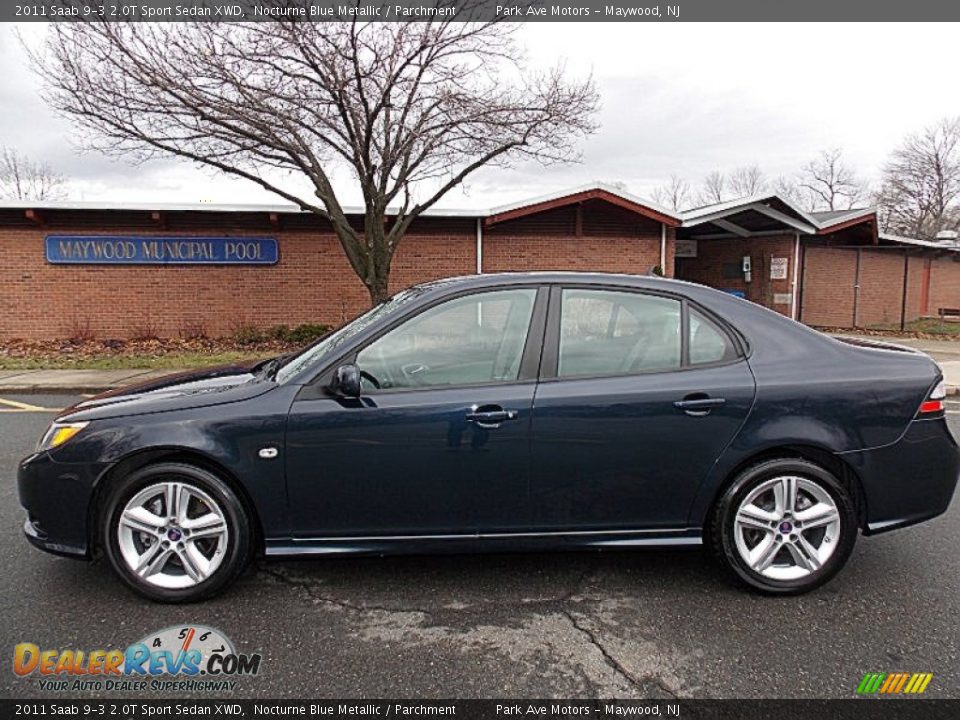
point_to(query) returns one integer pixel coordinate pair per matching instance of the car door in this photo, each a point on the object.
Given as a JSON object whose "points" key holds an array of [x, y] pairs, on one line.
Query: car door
{"points": [[438, 442], [640, 394]]}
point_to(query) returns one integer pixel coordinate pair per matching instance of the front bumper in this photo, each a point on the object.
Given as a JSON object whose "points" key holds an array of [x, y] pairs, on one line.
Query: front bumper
{"points": [[910, 481], [56, 497]]}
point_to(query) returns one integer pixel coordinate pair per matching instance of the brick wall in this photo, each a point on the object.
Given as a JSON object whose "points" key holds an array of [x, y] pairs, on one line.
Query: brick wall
{"points": [[830, 276], [712, 255], [881, 288], [944, 285], [312, 283], [610, 240]]}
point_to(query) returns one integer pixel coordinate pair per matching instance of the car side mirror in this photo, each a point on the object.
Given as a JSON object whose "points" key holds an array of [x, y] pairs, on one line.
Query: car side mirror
{"points": [[346, 381]]}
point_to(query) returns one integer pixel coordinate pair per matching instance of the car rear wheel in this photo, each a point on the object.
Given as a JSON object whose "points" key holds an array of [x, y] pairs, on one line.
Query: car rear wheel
{"points": [[785, 526], [175, 532]]}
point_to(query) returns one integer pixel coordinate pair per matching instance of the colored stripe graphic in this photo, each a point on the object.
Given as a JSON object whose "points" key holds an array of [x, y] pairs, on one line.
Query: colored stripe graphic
{"points": [[870, 683], [918, 683], [894, 683]]}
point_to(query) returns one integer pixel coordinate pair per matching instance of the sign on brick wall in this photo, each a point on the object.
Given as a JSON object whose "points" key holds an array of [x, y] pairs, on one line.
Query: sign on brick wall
{"points": [[778, 268], [154, 250]]}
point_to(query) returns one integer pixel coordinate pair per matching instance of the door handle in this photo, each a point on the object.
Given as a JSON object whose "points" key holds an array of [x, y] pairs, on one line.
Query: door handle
{"points": [[490, 417], [699, 404]]}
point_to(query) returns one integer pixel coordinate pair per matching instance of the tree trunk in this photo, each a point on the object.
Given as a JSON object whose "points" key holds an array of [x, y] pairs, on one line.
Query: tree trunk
{"points": [[378, 290], [380, 257]]}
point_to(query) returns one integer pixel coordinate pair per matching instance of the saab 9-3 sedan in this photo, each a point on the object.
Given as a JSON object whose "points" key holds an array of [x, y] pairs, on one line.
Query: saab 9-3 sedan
{"points": [[507, 412]]}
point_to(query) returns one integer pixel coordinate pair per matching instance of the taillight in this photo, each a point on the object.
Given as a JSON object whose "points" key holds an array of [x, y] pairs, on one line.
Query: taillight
{"points": [[934, 403]]}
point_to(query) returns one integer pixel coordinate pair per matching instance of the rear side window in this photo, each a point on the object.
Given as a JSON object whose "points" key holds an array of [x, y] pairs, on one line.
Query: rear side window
{"points": [[606, 332], [708, 342]]}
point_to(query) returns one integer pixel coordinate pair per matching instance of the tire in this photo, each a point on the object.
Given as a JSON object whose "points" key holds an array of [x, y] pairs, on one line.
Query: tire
{"points": [[774, 548], [189, 555]]}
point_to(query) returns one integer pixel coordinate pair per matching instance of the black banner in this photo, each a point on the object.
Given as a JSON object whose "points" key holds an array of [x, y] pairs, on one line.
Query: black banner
{"points": [[902, 709], [467, 10]]}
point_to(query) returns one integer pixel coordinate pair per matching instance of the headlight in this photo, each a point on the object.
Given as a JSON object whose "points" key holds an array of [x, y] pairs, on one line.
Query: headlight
{"points": [[58, 434]]}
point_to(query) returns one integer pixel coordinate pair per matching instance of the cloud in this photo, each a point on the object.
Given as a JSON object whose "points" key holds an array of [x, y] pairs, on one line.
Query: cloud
{"points": [[680, 99]]}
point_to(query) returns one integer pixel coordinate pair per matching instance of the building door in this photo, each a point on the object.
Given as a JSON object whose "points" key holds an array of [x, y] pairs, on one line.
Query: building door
{"points": [[925, 288]]}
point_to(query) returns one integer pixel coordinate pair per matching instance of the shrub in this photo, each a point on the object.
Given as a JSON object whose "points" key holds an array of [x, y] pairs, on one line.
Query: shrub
{"points": [[193, 330], [307, 333], [80, 331], [144, 330], [247, 335], [278, 332], [299, 335]]}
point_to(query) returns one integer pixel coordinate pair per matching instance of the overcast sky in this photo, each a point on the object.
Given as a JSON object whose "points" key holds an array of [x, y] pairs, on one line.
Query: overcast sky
{"points": [[677, 98]]}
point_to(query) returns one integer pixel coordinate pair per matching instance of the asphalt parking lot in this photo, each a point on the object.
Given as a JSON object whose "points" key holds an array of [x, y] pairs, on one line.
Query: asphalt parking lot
{"points": [[650, 624]]}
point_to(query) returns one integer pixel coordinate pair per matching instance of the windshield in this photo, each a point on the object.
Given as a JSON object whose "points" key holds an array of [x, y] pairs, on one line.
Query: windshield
{"points": [[313, 353]]}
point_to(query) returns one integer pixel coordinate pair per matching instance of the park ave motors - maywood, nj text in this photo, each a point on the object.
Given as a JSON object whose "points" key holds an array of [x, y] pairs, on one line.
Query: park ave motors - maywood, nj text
{"points": [[614, 11]]}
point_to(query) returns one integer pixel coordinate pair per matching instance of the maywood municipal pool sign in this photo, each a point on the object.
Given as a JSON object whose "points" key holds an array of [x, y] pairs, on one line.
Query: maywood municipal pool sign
{"points": [[153, 250]]}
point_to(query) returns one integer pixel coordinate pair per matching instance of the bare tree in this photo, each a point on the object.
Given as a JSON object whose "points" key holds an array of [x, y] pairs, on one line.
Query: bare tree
{"points": [[920, 189], [411, 109], [24, 179], [714, 188], [674, 195], [829, 183], [788, 187], [747, 181]]}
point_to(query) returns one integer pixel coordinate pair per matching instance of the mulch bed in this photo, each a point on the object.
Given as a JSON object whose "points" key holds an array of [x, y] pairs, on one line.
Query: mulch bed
{"points": [[90, 349]]}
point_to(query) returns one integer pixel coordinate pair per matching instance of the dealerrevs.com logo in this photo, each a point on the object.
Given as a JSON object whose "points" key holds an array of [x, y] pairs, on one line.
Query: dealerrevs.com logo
{"points": [[192, 658]]}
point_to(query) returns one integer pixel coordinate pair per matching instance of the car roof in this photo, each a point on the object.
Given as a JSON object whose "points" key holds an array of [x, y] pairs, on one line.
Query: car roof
{"points": [[560, 277]]}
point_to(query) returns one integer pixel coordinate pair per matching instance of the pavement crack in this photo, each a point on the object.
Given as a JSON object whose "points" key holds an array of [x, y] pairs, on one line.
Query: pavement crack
{"points": [[312, 592], [616, 665]]}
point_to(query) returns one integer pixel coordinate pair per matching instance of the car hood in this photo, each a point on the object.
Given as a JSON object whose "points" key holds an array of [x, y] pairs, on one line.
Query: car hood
{"points": [[178, 391]]}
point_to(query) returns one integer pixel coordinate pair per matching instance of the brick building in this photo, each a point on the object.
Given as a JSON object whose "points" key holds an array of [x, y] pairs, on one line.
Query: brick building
{"points": [[824, 269]]}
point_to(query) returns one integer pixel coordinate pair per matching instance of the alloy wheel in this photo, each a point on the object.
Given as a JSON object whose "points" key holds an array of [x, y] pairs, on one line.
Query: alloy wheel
{"points": [[787, 528], [172, 535]]}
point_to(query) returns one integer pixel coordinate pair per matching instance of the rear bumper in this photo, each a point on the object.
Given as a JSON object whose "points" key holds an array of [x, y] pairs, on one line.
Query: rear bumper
{"points": [[910, 481], [56, 497]]}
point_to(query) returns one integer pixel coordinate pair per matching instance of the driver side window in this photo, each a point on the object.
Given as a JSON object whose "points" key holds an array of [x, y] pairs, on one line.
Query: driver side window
{"points": [[466, 341]]}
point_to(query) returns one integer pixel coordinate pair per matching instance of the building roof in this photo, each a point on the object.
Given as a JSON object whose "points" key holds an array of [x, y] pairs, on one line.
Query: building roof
{"points": [[929, 244], [730, 218], [199, 207], [747, 216], [825, 216], [592, 191], [769, 213]]}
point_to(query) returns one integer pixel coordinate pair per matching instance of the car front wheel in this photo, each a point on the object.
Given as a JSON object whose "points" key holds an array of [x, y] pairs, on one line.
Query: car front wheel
{"points": [[785, 526], [175, 532]]}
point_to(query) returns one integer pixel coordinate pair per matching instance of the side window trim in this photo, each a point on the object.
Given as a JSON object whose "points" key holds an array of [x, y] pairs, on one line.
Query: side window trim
{"points": [[551, 339]]}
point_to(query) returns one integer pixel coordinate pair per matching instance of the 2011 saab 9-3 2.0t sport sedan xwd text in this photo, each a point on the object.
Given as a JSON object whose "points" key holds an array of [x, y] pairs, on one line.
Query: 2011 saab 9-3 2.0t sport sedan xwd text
{"points": [[507, 412]]}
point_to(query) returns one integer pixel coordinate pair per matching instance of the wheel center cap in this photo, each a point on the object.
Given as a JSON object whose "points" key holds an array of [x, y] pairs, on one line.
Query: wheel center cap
{"points": [[786, 528], [173, 534]]}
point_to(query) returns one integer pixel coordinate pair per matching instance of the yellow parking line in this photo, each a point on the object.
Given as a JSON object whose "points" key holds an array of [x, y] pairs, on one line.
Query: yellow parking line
{"points": [[14, 406]]}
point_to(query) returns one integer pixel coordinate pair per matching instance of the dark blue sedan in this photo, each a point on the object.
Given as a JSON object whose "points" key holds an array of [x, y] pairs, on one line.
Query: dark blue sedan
{"points": [[507, 412]]}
